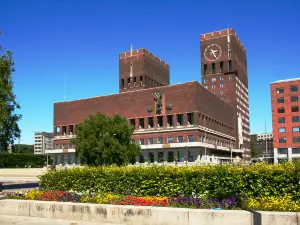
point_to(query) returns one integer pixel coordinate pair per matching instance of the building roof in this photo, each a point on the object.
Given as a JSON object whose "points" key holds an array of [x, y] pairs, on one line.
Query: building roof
{"points": [[286, 80]]}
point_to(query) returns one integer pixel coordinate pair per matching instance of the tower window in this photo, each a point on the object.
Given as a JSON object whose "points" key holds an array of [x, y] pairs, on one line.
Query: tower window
{"points": [[141, 80], [128, 82], [213, 79], [281, 120], [280, 110], [141, 123], [122, 83], [229, 53], [169, 120], [221, 78], [205, 69], [213, 86], [134, 81], [160, 121], [229, 65], [205, 80], [221, 85], [294, 98], [179, 119], [221, 67], [213, 67], [280, 100]]}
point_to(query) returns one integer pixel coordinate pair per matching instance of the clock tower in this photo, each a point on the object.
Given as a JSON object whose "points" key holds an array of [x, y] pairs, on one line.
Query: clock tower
{"points": [[224, 73]]}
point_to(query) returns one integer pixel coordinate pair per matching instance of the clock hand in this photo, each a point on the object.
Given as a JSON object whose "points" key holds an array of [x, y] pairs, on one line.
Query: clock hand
{"points": [[214, 53]]}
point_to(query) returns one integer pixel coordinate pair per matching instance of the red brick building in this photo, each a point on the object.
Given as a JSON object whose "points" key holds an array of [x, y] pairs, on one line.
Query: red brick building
{"points": [[182, 122], [224, 73], [285, 96]]}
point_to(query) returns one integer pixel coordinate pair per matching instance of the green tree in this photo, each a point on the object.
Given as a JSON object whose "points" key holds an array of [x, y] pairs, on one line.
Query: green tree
{"points": [[22, 148], [9, 129], [255, 152], [102, 140]]}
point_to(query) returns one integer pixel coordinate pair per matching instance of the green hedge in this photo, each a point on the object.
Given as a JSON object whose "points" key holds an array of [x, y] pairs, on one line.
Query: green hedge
{"points": [[12, 160], [220, 181]]}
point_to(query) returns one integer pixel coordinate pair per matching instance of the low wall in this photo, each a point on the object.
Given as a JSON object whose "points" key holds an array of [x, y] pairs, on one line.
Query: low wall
{"points": [[138, 215]]}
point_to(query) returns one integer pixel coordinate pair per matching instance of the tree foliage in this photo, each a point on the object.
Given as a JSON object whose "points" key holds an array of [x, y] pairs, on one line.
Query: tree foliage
{"points": [[22, 148], [255, 152], [9, 129], [102, 140]]}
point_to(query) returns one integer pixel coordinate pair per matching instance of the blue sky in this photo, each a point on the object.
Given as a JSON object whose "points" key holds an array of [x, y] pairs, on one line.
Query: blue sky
{"points": [[82, 38]]}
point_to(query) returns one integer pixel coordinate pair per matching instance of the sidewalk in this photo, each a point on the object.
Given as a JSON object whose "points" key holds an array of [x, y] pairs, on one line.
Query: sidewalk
{"points": [[23, 220]]}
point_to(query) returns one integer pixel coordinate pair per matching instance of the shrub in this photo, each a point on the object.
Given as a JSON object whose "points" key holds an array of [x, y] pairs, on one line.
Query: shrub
{"points": [[58, 196], [12, 160], [100, 198], [220, 181]]}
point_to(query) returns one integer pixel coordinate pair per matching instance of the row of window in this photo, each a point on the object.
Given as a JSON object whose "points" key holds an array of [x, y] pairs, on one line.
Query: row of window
{"points": [[64, 146], [180, 139], [170, 157], [293, 109], [295, 119], [214, 86], [214, 67], [295, 139], [292, 99], [285, 150], [214, 79], [294, 129], [133, 82], [281, 90], [160, 140]]}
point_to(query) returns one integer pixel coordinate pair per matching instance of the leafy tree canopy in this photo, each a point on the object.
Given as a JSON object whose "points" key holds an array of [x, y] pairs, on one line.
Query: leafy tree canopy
{"points": [[102, 140], [22, 148], [9, 129], [255, 152]]}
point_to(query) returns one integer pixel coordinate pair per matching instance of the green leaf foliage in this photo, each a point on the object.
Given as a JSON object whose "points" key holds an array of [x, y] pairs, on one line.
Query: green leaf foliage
{"points": [[219, 181], [9, 129], [22, 160], [23, 148], [103, 140]]}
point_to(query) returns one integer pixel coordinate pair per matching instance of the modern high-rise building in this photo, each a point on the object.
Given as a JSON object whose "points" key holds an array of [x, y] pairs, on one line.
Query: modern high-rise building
{"points": [[264, 142], [224, 73], [285, 96], [43, 141]]}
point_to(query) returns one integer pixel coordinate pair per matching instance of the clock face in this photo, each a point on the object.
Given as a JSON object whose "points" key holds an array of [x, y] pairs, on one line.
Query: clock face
{"points": [[212, 52]]}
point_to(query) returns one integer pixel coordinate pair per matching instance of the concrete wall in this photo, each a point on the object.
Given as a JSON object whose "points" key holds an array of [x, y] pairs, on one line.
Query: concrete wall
{"points": [[137, 215]]}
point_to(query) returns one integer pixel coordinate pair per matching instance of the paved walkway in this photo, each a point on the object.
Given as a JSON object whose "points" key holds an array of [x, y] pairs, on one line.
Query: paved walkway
{"points": [[23, 220]]}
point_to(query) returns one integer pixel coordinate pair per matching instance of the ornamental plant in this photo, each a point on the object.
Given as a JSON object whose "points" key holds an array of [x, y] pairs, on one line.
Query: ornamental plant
{"points": [[59, 196], [140, 201], [218, 181]]}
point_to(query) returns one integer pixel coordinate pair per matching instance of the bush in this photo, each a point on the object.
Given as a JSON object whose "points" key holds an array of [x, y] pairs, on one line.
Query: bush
{"points": [[220, 181], [22, 160]]}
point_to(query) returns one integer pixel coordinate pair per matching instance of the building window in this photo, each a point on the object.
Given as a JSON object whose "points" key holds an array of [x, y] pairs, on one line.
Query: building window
{"points": [[170, 139], [169, 120], [229, 53], [295, 119], [141, 123], [281, 120], [159, 140], [150, 141], [214, 92], [282, 150], [180, 139], [213, 79], [223, 99], [293, 88], [57, 146], [296, 150], [229, 65], [122, 83], [132, 122], [132, 141], [294, 98], [141, 141], [295, 109], [222, 92], [206, 86], [282, 140], [160, 121], [180, 120], [170, 156], [128, 82], [230, 77], [191, 138], [296, 129], [213, 86], [190, 118], [221, 78], [150, 122], [205, 81], [279, 90], [281, 130], [221, 67], [280, 100], [64, 146], [280, 110], [221, 85], [70, 146], [213, 67], [296, 140], [205, 69], [141, 80]]}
